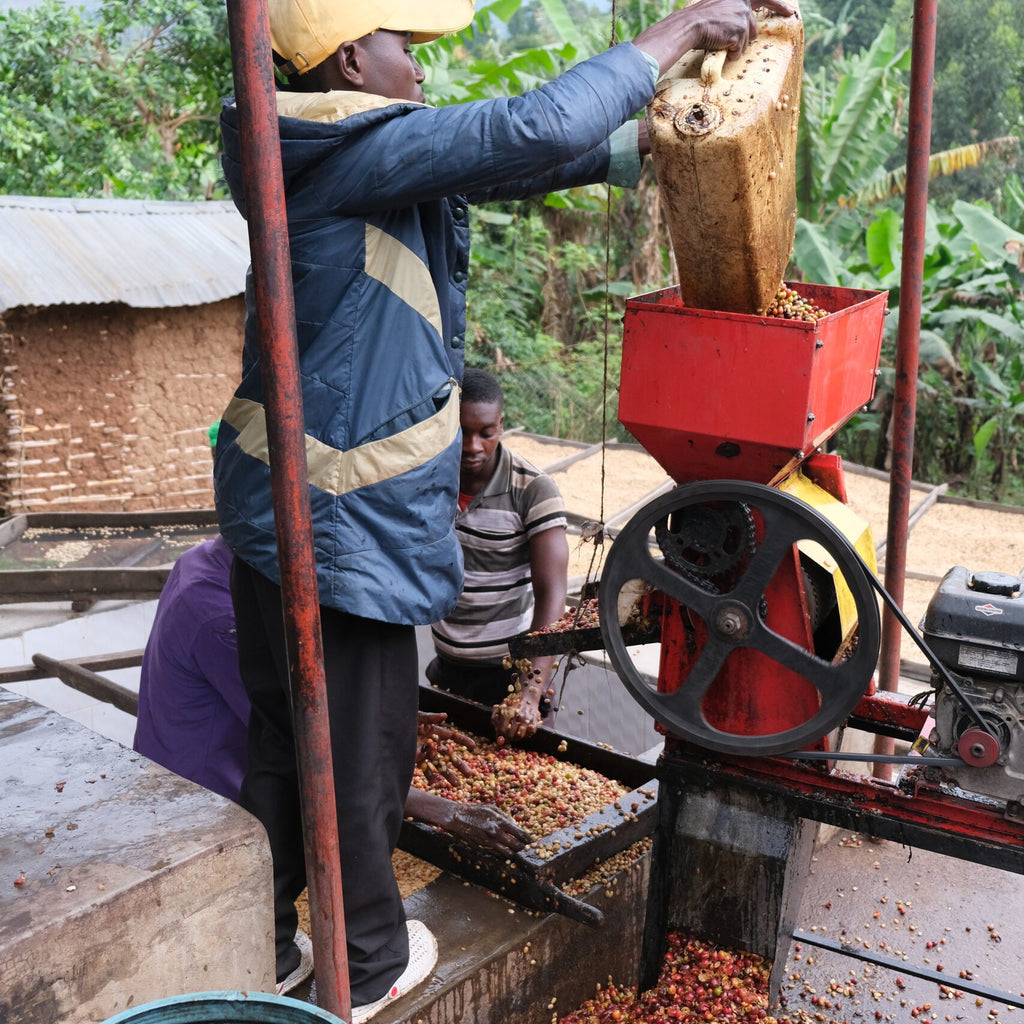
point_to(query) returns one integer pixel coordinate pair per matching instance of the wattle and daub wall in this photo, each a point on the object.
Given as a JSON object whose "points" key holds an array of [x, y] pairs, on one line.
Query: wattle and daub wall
{"points": [[106, 407]]}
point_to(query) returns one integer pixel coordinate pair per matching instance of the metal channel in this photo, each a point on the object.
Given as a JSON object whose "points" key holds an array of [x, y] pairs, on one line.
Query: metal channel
{"points": [[941, 824], [533, 876]]}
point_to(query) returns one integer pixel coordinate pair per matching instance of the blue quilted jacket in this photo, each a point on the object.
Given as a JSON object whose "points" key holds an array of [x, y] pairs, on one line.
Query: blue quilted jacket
{"points": [[377, 198]]}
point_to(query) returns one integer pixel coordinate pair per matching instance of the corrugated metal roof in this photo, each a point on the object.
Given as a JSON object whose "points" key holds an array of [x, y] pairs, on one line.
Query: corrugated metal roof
{"points": [[143, 253]]}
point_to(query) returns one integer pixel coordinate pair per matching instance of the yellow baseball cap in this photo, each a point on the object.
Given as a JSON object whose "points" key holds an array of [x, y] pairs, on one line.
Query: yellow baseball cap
{"points": [[306, 32]]}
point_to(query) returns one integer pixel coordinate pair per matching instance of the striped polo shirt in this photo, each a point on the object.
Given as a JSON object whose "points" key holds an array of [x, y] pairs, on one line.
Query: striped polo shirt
{"points": [[495, 529]]}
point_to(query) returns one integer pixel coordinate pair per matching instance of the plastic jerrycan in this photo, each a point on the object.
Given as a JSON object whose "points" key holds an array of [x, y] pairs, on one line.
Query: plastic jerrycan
{"points": [[723, 138]]}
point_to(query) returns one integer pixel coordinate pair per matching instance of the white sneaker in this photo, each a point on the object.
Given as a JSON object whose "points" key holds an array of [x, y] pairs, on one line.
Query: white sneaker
{"points": [[422, 957], [305, 968]]}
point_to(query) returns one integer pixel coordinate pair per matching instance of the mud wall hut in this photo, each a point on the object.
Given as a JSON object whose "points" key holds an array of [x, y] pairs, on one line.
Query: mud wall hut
{"points": [[120, 342]]}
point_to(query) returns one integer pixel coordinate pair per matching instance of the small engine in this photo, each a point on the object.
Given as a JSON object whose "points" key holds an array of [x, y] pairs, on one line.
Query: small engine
{"points": [[974, 625]]}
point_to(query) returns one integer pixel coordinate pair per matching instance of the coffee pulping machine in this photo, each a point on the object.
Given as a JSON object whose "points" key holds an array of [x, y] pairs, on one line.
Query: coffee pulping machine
{"points": [[761, 581]]}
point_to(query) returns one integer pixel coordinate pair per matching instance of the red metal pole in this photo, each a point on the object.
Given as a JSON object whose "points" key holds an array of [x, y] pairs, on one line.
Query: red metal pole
{"points": [[908, 340], [252, 65]]}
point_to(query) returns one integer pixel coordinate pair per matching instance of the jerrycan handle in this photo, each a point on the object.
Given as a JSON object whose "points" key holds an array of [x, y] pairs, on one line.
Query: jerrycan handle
{"points": [[711, 68]]}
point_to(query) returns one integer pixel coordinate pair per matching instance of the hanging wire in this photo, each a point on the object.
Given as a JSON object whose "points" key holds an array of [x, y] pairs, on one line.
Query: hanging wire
{"points": [[613, 38], [596, 530]]}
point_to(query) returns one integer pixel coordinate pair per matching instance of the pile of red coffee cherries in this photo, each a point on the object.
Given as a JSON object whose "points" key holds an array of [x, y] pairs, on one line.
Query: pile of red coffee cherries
{"points": [[699, 984], [538, 791]]}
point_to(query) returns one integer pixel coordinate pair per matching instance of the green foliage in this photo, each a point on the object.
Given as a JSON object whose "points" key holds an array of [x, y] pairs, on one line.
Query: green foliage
{"points": [[849, 125], [483, 63], [515, 45], [121, 100], [979, 68], [970, 422], [979, 83], [838, 27], [550, 388], [969, 426]]}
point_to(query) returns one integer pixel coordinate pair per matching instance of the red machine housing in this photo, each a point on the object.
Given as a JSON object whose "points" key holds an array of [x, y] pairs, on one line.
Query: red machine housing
{"points": [[723, 397], [726, 396], [715, 395]]}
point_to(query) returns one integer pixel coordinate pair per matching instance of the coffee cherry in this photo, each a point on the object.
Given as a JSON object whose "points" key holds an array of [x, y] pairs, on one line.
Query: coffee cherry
{"points": [[788, 304]]}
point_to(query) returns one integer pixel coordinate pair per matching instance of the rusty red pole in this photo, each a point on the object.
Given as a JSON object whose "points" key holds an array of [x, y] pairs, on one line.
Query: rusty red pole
{"points": [[922, 69], [252, 66]]}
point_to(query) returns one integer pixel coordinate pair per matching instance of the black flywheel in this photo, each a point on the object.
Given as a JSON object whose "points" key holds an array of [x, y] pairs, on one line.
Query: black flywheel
{"points": [[704, 525]]}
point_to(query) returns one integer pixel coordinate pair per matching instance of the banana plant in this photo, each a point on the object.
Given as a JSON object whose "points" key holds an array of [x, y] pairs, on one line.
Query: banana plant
{"points": [[971, 407], [849, 125], [946, 162], [998, 439]]}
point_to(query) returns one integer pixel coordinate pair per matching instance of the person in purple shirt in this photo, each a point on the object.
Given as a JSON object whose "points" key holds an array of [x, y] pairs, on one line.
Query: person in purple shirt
{"points": [[193, 709]]}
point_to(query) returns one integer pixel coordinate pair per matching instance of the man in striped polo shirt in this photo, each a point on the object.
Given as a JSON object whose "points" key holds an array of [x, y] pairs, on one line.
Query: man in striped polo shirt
{"points": [[511, 525]]}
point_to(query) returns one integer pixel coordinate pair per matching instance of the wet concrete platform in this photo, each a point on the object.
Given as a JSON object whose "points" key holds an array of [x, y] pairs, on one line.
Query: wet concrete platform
{"points": [[500, 963], [120, 883]]}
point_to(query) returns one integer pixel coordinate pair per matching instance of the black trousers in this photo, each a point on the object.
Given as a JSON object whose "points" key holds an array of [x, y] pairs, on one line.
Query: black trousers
{"points": [[372, 698]]}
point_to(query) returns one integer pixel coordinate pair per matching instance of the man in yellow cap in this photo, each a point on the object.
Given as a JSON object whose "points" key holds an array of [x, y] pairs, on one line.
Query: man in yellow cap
{"points": [[378, 187]]}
